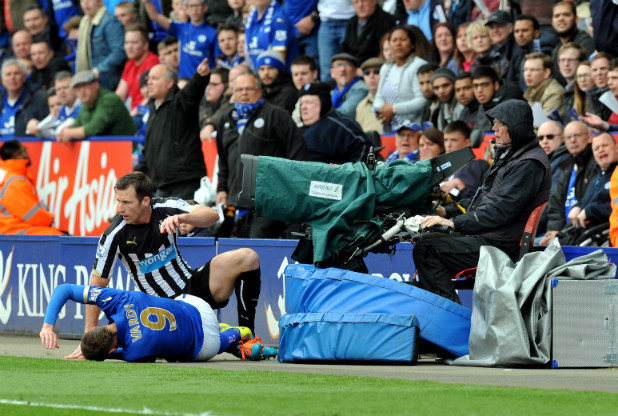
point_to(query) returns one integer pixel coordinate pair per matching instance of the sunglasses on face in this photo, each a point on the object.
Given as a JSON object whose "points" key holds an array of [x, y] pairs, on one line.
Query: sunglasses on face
{"points": [[548, 136]]}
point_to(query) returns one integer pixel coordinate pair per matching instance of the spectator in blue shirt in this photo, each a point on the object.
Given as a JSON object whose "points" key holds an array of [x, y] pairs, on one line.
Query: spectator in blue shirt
{"points": [[198, 40], [268, 27], [304, 16]]}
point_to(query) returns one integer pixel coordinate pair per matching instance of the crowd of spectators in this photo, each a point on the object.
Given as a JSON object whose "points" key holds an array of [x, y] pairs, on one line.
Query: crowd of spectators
{"points": [[324, 80]]}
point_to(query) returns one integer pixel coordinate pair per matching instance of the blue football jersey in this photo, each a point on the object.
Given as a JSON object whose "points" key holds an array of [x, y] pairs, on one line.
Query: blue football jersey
{"points": [[196, 43], [150, 326]]}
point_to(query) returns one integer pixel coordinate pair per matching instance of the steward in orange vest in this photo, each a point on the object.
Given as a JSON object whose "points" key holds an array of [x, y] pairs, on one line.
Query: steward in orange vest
{"points": [[20, 209]]}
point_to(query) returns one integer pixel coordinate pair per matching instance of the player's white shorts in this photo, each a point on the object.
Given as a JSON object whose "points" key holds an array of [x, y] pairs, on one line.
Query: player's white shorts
{"points": [[211, 345]]}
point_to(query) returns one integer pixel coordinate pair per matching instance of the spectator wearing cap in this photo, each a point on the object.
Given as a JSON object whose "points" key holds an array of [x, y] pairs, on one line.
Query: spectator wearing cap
{"points": [[102, 112], [443, 86], [277, 85], [365, 116], [331, 137], [399, 96], [141, 59], [500, 26], [100, 45], [365, 29], [254, 127], [406, 140], [18, 104], [268, 27], [542, 88], [349, 89]]}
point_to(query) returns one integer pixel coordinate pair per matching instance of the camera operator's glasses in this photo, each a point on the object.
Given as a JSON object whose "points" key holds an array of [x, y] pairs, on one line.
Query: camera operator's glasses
{"points": [[547, 136]]}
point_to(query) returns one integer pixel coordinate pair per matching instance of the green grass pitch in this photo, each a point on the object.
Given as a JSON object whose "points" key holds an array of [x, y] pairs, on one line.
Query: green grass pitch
{"points": [[34, 386]]}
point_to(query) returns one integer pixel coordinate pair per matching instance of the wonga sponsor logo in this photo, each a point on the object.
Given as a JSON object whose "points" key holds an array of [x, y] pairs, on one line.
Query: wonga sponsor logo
{"points": [[159, 260]]}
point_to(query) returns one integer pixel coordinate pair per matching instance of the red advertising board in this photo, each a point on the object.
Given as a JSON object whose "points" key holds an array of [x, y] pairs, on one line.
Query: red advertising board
{"points": [[76, 181]]}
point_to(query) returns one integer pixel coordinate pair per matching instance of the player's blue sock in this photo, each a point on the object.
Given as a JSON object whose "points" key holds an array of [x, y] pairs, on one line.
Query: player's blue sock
{"points": [[228, 338]]}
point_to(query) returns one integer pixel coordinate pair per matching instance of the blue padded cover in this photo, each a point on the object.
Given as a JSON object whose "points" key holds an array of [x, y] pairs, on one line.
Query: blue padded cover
{"points": [[443, 323], [337, 336]]}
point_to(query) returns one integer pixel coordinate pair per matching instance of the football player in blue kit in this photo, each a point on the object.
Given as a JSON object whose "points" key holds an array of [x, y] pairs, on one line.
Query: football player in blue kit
{"points": [[143, 327]]}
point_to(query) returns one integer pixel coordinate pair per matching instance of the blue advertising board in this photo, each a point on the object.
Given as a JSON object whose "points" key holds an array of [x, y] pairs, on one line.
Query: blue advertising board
{"points": [[31, 267]]}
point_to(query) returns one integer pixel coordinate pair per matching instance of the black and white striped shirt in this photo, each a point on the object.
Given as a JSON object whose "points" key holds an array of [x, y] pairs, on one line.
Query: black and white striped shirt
{"points": [[152, 258]]}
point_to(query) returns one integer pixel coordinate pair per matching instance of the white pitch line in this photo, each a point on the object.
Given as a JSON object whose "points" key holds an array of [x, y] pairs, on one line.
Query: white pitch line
{"points": [[144, 411]]}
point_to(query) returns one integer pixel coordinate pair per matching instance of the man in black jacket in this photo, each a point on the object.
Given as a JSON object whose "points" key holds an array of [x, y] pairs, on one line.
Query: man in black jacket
{"points": [[172, 155], [364, 31], [516, 183], [253, 127]]}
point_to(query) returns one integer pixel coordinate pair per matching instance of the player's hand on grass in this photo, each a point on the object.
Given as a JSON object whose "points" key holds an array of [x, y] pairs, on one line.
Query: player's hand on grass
{"points": [[76, 355], [49, 339]]}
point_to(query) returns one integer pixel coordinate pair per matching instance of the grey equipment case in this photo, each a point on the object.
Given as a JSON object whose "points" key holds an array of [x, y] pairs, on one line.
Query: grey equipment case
{"points": [[584, 323]]}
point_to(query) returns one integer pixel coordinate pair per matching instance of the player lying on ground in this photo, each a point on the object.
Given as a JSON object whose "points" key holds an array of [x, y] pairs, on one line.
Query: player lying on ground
{"points": [[143, 327], [144, 238]]}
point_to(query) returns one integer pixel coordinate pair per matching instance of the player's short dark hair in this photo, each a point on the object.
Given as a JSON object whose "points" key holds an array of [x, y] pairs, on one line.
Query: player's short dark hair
{"points": [[460, 126], [529, 17], [484, 71], [427, 68], [96, 344], [305, 60], [140, 181], [9, 149]]}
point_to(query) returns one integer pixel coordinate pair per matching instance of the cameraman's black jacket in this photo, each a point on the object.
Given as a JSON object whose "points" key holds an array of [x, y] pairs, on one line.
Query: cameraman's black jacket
{"points": [[514, 186]]}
